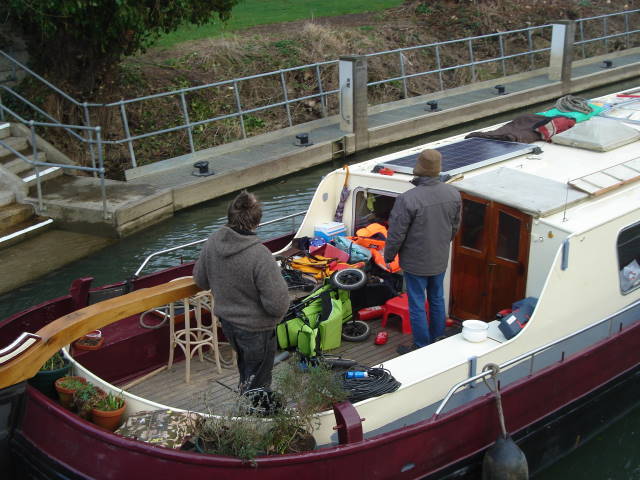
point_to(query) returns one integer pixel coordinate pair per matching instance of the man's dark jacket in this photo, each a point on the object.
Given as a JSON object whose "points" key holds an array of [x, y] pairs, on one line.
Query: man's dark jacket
{"points": [[422, 224]]}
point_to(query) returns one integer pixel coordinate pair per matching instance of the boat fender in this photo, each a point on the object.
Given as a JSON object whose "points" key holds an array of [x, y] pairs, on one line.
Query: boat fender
{"points": [[504, 461]]}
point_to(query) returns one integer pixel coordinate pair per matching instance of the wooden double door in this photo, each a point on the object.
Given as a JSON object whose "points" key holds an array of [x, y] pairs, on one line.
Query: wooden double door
{"points": [[489, 259]]}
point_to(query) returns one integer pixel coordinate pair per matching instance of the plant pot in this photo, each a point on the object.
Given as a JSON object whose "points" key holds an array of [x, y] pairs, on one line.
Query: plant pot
{"points": [[45, 379], [108, 419], [66, 394], [88, 343]]}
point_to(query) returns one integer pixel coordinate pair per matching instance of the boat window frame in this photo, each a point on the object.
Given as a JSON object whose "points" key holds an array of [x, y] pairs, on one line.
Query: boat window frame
{"points": [[355, 192], [619, 270]]}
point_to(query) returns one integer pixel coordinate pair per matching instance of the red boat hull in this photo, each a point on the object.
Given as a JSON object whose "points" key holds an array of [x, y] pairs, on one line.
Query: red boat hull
{"points": [[448, 446]]}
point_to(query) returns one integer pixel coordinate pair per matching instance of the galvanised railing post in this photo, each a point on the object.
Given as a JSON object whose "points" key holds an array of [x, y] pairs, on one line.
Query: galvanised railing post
{"points": [[323, 98], [502, 53], [239, 106], [185, 114], [103, 188], [87, 123], [604, 33], [402, 74], [582, 44], [439, 67], [125, 124], [626, 28], [532, 60], [286, 97], [472, 61], [34, 148], [2, 118]]}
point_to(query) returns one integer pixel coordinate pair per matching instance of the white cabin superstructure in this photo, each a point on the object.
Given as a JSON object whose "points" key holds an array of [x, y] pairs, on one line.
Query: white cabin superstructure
{"points": [[572, 246]]}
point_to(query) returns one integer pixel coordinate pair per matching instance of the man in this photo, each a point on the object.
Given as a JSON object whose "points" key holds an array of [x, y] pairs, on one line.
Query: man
{"points": [[250, 294], [422, 225]]}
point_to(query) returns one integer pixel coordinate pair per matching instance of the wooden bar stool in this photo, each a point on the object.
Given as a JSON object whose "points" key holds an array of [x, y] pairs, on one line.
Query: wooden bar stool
{"points": [[194, 339]]}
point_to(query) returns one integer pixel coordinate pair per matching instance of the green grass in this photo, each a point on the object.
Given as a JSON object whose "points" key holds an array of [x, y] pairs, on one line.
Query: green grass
{"points": [[249, 13]]}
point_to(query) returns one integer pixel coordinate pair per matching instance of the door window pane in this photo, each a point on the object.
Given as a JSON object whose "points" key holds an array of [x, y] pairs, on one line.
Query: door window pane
{"points": [[508, 237], [629, 258], [472, 230]]}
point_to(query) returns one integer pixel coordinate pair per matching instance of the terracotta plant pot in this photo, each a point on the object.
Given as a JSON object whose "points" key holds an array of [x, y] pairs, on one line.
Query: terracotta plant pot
{"points": [[66, 394], [108, 419], [88, 343]]}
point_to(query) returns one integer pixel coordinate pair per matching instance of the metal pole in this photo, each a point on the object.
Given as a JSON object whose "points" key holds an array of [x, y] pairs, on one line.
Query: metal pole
{"points": [[532, 60], [87, 123], [402, 73], [626, 28], [323, 98], [472, 61], [501, 43], [125, 124], [185, 113], [439, 65], [103, 188], [605, 32], [2, 118], [584, 51], [34, 147], [286, 97], [239, 106]]}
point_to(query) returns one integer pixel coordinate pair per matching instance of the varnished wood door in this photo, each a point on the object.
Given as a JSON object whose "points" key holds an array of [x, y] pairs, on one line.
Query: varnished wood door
{"points": [[490, 254]]}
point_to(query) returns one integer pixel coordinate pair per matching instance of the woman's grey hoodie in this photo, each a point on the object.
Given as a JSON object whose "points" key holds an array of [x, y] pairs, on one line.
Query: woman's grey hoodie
{"points": [[248, 288]]}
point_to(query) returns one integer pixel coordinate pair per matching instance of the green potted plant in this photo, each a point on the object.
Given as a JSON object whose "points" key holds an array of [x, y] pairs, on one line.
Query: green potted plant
{"points": [[85, 397], [66, 386], [108, 410], [54, 368]]}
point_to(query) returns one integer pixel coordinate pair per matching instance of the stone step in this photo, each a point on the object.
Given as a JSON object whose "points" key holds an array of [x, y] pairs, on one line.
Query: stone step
{"points": [[7, 197], [17, 165], [30, 180], [17, 143], [14, 214], [24, 230], [5, 130]]}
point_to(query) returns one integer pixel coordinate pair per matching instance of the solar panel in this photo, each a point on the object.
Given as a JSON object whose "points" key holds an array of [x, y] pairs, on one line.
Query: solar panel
{"points": [[466, 155]]}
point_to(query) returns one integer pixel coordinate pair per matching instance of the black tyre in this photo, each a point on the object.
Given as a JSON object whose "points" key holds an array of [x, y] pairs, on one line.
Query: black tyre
{"points": [[349, 279], [355, 331]]}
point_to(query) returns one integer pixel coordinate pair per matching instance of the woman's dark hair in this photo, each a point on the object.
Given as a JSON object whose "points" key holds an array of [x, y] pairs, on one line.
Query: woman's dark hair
{"points": [[245, 212]]}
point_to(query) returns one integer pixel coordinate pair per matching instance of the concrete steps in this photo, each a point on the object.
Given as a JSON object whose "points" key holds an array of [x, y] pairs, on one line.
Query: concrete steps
{"points": [[20, 232], [14, 214]]}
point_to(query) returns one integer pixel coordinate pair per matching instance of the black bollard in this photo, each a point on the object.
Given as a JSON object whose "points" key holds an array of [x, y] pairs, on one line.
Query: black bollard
{"points": [[504, 461]]}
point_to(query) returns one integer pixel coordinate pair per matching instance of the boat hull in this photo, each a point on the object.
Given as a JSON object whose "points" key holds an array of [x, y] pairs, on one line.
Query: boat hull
{"points": [[603, 381]]}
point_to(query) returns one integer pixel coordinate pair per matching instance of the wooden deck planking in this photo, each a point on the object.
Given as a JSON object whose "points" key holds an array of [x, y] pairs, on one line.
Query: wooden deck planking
{"points": [[169, 387]]}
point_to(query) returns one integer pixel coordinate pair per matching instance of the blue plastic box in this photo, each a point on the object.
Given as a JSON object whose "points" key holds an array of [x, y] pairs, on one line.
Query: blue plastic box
{"points": [[329, 230]]}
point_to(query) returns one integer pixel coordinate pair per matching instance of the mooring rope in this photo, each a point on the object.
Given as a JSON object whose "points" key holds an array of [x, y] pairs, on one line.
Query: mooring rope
{"points": [[495, 370]]}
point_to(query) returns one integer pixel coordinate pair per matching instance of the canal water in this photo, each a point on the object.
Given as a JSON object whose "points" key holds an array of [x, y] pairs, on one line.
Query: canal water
{"points": [[612, 455]]}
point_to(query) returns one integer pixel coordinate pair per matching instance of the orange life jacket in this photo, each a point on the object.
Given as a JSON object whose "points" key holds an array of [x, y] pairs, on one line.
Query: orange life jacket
{"points": [[374, 238]]}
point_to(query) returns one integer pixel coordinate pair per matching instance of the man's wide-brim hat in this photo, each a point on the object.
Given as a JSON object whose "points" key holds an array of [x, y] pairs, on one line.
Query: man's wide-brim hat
{"points": [[429, 164]]}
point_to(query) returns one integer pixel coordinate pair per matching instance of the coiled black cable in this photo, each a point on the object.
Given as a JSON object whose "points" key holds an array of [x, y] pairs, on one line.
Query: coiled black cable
{"points": [[377, 381]]}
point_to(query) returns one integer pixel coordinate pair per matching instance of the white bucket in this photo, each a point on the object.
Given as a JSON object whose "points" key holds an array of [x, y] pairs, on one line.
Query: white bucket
{"points": [[474, 330]]}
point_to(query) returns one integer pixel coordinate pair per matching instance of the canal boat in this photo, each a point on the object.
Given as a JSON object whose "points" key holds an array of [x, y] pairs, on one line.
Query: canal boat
{"points": [[555, 222]]}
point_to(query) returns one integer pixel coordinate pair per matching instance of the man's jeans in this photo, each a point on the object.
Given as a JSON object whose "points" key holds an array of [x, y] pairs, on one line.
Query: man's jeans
{"points": [[256, 352], [416, 286]]}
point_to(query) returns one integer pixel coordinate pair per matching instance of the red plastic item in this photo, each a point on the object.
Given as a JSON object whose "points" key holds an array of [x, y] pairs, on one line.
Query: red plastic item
{"points": [[400, 306], [381, 338], [370, 313], [386, 171]]}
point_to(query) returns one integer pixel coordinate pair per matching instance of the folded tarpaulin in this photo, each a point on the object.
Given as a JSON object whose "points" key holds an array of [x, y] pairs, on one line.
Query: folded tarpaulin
{"points": [[520, 129], [577, 116]]}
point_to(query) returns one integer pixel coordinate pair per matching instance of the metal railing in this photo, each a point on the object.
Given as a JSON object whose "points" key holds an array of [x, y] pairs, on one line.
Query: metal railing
{"points": [[512, 46], [97, 170], [198, 242], [530, 355]]}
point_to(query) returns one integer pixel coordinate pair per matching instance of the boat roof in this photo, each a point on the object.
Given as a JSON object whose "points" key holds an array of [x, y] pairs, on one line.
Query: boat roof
{"points": [[573, 188]]}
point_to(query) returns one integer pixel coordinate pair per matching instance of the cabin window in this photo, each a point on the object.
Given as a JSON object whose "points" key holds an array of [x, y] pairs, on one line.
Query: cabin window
{"points": [[629, 258], [372, 207], [472, 229], [508, 246]]}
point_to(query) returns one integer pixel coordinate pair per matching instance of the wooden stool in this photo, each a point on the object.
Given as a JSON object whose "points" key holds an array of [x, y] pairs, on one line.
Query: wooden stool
{"points": [[400, 306]]}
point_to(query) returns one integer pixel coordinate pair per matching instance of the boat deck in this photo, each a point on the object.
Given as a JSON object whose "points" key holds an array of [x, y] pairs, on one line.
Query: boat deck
{"points": [[208, 390]]}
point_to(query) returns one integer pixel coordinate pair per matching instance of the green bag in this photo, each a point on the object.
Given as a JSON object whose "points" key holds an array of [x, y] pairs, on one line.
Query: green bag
{"points": [[303, 331]]}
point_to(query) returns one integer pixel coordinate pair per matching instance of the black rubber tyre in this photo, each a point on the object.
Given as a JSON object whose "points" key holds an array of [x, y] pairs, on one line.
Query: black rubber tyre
{"points": [[349, 279], [355, 331]]}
